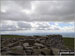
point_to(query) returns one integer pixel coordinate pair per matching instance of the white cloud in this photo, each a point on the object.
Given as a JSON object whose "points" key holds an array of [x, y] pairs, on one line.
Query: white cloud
{"points": [[37, 26]]}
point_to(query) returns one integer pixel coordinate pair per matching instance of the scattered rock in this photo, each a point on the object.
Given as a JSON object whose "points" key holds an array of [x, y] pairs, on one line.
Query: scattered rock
{"points": [[26, 44], [39, 44], [18, 50], [32, 45]]}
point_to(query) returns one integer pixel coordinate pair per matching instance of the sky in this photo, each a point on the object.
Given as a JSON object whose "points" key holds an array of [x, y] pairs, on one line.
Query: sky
{"points": [[20, 16]]}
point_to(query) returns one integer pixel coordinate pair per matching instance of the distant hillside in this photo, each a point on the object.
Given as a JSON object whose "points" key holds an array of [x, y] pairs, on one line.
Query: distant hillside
{"points": [[64, 34], [11, 36]]}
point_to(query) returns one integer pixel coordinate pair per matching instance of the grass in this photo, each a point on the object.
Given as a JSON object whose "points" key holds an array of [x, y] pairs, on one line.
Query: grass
{"points": [[11, 36], [69, 42]]}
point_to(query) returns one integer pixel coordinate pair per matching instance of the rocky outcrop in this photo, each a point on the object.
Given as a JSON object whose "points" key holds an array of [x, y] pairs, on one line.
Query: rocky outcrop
{"points": [[32, 45]]}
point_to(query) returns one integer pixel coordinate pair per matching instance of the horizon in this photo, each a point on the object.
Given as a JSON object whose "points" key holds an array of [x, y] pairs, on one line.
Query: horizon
{"points": [[70, 34]]}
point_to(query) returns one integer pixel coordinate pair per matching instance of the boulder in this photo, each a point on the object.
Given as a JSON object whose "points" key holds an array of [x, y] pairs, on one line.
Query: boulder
{"points": [[18, 50], [26, 44], [38, 44]]}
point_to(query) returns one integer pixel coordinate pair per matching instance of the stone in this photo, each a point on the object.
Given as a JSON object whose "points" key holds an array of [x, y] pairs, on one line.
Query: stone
{"points": [[18, 50], [26, 44], [38, 44]]}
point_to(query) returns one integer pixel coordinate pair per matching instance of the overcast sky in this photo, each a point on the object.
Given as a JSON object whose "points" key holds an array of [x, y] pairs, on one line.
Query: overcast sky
{"points": [[47, 15]]}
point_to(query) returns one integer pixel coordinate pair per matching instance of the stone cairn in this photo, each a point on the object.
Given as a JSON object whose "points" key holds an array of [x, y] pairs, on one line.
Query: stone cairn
{"points": [[32, 45]]}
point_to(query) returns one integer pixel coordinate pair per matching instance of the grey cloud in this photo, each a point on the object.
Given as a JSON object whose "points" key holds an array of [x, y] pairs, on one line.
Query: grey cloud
{"points": [[5, 27], [8, 28], [54, 10], [56, 28], [26, 26], [43, 26], [14, 25]]}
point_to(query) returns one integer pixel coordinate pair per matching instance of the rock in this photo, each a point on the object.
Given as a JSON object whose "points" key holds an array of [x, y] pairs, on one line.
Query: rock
{"points": [[43, 51], [38, 44], [18, 50], [26, 44], [55, 51], [29, 50], [13, 44]]}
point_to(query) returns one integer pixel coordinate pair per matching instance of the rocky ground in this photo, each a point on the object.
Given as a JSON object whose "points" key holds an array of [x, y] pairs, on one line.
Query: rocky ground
{"points": [[32, 45]]}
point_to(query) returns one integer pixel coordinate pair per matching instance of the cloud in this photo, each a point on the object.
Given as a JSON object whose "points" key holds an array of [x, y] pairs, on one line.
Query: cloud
{"points": [[14, 25], [8, 26], [37, 26], [24, 25], [42, 26], [52, 10]]}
